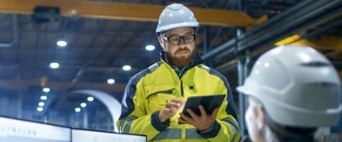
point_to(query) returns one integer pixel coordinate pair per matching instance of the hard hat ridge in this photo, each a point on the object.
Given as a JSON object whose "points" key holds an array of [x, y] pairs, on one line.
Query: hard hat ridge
{"points": [[176, 15]]}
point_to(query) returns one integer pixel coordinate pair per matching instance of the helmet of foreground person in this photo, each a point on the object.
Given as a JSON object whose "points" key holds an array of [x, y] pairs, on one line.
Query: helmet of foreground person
{"points": [[176, 16], [297, 86]]}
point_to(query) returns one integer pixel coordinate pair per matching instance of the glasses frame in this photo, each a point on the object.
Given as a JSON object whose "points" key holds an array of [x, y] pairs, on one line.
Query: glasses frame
{"points": [[180, 38]]}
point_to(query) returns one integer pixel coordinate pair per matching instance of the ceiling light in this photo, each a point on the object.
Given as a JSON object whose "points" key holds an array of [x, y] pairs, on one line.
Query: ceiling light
{"points": [[46, 89], [77, 109], [110, 81], [150, 47], [62, 43], [43, 97], [90, 99], [126, 67], [40, 109], [83, 104], [54, 65], [41, 104]]}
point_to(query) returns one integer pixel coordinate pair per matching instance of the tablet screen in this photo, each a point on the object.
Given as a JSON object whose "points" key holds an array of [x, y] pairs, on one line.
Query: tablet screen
{"points": [[209, 103]]}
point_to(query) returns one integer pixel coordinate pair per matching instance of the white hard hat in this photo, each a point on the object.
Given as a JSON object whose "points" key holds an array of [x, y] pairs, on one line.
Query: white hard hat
{"points": [[297, 86], [175, 16]]}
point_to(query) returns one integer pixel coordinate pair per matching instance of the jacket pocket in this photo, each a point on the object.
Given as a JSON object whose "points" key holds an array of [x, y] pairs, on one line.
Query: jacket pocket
{"points": [[157, 96]]}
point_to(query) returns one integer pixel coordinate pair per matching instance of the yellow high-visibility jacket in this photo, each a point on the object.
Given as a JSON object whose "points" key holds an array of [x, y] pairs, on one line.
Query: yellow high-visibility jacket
{"points": [[148, 91]]}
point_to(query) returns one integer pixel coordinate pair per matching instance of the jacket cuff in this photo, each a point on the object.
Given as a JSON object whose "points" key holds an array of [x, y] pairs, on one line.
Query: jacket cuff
{"points": [[157, 124], [211, 132]]}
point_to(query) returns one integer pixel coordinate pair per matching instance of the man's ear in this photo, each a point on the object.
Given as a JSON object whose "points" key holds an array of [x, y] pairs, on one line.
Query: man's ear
{"points": [[162, 43], [260, 118]]}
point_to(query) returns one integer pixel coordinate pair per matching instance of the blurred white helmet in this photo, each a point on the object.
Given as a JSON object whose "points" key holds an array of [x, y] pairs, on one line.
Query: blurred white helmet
{"points": [[175, 16], [297, 86]]}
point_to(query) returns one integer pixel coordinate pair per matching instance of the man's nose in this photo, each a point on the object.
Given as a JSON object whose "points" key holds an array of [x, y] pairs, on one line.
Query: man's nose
{"points": [[181, 41]]}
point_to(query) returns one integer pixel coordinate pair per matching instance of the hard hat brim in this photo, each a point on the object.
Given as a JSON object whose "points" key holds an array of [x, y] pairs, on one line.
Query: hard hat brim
{"points": [[178, 25]]}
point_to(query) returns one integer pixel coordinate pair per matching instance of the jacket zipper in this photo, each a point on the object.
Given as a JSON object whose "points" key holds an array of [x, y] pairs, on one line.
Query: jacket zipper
{"points": [[182, 88], [180, 75]]}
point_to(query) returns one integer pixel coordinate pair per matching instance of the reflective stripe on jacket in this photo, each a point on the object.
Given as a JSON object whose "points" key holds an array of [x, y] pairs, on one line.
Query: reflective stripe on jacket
{"points": [[148, 91]]}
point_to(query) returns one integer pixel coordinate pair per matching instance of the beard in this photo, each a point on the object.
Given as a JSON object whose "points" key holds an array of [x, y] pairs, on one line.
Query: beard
{"points": [[181, 61]]}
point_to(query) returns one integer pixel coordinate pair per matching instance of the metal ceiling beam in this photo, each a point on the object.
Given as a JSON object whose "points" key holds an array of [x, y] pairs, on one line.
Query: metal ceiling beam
{"points": [[331, 45], [125, 11], [298, 18], [323, 42]]}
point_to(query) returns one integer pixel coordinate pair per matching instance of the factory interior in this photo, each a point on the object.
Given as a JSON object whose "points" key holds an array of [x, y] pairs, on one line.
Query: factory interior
{"points": [[67, 62]]}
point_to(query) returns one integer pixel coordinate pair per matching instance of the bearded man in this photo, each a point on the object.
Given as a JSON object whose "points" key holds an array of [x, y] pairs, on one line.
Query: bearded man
{"points": [[154, 97]]}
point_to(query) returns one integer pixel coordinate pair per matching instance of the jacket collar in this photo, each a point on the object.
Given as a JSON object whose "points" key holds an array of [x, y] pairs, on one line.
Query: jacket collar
{"points": [[196, 60]]}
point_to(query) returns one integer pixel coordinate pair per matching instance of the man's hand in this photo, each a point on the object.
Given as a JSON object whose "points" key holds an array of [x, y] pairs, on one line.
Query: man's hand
{"points": [[171, 108], [201, 122]]}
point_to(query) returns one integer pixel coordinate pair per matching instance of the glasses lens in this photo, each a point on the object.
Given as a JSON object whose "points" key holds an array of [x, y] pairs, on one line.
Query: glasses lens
{"points": [[189, 38], [174, 40]]}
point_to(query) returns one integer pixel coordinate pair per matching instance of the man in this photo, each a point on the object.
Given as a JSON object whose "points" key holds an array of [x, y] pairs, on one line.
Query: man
{"points": [[154, 98], [292, 91]]}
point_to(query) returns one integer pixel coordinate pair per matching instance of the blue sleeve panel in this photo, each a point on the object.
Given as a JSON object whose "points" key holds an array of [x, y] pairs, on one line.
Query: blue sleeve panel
{"points": [[212, 132], [231, 109], [157, 124], [127, 100]]}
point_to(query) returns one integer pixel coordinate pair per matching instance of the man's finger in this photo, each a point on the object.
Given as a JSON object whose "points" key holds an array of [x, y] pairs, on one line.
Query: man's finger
{"points": [[181, 121], [177, 100], [202, 110], [213, 115], [166, 110], [192, 114], [172, 104], [174, 109], [186, 119]]}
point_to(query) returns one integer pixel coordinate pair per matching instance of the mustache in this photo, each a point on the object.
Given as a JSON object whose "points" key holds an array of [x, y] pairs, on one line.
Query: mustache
{"points": [[181, 50]]}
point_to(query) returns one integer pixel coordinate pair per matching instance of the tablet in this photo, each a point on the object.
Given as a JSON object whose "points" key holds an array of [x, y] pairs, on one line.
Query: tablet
{"points": [[209, 103]]}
